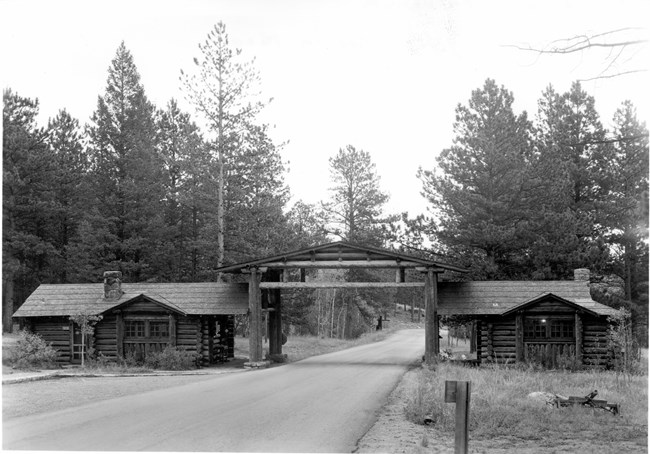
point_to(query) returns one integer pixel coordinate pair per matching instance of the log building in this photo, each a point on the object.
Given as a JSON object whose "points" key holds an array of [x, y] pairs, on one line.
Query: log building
{"points": [[546, 322], [137, 318], [542, 321]]}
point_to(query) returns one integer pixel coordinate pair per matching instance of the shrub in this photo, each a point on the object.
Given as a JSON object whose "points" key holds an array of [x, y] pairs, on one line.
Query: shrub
{"points": [[31, 351], [171, 358]]}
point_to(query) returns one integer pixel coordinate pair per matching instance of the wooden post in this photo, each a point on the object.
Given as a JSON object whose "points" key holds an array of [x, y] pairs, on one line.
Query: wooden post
{"points": [[255, 316], [479, 345], [172, 330], [463, 392], [431, 341], [119, 323], [275, 316], [519, 337], [490, 348], [578, 334], [459, 392]]}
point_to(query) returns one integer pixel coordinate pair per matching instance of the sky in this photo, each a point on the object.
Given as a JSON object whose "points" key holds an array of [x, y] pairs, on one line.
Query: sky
{"points": [[383, 76]]}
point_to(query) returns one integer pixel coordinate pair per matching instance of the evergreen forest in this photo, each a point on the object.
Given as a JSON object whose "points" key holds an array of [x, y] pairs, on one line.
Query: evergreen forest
{"points": [[164, 195]]}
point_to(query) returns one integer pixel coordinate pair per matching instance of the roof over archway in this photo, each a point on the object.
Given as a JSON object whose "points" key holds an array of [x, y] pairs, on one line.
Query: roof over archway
{"points": [[340, 254]]}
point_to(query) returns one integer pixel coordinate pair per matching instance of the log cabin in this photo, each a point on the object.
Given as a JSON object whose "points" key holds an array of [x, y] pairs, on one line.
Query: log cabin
{"points": [[137, 318], [542, 322]]}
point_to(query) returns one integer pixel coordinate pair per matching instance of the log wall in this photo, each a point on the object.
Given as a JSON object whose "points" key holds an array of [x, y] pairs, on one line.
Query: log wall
{"points": [[594, 341], [497, 340], [56, 331], [192, 333], [106, 337]]}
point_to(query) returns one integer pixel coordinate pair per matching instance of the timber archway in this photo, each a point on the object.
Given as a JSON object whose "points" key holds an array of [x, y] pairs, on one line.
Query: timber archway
{"points": [[336, 255]]}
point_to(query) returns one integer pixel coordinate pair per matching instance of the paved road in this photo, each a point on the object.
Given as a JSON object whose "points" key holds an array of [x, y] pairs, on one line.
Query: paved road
{"points": [[321, 404]]}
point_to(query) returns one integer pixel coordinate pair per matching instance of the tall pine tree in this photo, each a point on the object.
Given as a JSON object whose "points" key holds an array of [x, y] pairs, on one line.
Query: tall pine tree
{"points": [[481, 196], [27, 251], [126, 170], [355, 210], [223, 90]]}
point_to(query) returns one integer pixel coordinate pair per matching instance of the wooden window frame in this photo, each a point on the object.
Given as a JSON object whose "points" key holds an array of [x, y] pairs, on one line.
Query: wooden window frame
{"points": [[549, 322], [147, 320]]}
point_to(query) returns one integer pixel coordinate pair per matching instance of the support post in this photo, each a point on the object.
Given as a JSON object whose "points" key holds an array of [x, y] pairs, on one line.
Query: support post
{"points": [[275, 317], [255, 316], [578, 334], [172, 330], [119, 324], [459, 392], [463, 392], [519, 337], [431, 340]]}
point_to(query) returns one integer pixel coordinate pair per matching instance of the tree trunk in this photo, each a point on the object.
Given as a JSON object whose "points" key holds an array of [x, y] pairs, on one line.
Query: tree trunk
{"points": [[7, 304]]}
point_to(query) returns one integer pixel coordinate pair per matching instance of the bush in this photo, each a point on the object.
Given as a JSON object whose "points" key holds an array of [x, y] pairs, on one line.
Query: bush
{"points": [[171, 358], [31, 351]]}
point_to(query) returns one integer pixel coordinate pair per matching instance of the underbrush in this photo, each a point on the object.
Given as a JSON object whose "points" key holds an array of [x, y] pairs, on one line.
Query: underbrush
{"points": [[499, 403], [30, 351], [171, 358]]}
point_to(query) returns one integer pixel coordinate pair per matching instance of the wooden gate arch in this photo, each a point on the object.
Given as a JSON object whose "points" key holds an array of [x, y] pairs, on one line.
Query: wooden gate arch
{"points": [[335, 255]]}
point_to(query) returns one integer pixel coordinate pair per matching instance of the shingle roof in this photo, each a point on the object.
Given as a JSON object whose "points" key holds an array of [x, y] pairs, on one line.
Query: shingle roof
{"points": [[497, 297], [342, 254], [206, 298]]}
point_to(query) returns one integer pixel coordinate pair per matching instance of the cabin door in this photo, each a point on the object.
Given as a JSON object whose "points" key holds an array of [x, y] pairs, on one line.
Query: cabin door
{"points": [[76, 344]]}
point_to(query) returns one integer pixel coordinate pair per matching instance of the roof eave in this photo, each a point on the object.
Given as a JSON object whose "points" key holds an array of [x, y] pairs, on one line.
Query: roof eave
{"points": [[237, 267]]}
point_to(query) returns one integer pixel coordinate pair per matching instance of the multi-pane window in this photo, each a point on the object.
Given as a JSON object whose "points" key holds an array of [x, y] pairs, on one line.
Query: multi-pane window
{"points": [[561, 329], [158, 329], [134, 328], [543, 328], [146, 329], [535, 329]]}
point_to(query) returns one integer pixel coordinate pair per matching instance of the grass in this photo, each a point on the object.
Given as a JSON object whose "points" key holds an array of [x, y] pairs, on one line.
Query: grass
{"points": [[499, 405], [301, 347]]}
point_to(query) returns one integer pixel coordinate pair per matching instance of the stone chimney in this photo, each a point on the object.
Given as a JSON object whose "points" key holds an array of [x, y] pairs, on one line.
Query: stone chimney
{"points": [[112, 284], [581, 274]]}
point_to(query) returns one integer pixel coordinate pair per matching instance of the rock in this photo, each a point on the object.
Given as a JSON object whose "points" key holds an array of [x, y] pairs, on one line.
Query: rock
{"points": [[257, 365], [543, 397]]}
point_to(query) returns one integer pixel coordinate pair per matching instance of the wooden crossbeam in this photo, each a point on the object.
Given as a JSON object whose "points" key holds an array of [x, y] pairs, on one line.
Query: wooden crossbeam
{"points": [[344, 264], [288, 285]]}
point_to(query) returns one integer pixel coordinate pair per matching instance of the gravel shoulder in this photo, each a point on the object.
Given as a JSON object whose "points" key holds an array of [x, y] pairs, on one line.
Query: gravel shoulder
{"points": [[393, 433], [28, 398]]}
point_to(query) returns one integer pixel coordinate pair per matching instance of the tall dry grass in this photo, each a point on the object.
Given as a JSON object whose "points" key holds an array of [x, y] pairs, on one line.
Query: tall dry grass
{"points": [[499, 404]]}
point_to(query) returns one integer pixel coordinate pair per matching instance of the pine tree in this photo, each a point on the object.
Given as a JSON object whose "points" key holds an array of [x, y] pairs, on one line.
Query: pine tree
{"points": [[126, 169], [480, 199], [354, 211], [69, 185], [571, 162], [186, 164], [27, 251], [626, 209], [255, 196], [223, 91]]}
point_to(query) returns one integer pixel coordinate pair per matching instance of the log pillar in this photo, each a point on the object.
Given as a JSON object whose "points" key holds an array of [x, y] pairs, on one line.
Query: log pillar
{"points": [[579, 340], [519, 337], [275, 316], [431, 340], [490, 346], [255, 316], [479, 339], [119, 326], [172, 330]]}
